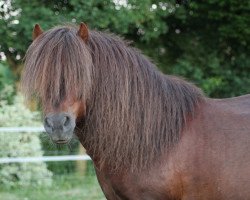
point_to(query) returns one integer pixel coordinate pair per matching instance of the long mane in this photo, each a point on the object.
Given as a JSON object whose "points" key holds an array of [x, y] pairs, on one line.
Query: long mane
{"points": [[134, 112], [55, 63]]}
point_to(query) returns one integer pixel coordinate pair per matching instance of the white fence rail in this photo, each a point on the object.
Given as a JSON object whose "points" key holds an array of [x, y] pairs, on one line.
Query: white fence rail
{"points": [[36, 159], [22, 129], [44, 159]]}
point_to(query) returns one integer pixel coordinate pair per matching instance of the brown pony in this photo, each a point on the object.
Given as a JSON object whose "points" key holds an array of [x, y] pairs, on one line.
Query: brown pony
{"points": [[151, 136]]}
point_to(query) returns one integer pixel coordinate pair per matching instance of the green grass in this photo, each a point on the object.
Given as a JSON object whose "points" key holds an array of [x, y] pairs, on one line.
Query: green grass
{"points": [[64, 187]]}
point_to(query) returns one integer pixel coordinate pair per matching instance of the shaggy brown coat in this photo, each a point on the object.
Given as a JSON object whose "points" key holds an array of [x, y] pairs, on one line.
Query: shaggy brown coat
{"points": [[134, 112]]}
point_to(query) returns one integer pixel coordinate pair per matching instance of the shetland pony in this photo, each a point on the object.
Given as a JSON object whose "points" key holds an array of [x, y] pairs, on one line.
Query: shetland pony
{"points": [[150, 135]]}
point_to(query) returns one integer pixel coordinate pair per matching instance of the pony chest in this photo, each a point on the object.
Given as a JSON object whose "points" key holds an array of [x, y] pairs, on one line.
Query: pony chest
{"points": [[133, 186]]}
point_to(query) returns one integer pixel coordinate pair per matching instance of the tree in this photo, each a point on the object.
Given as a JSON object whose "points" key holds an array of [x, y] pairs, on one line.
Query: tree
{"points": [[19, 17], [213, 45], [205, 41]]}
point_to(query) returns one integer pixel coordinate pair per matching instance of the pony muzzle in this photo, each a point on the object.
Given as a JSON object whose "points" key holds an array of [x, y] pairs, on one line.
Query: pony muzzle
{"points": [[60, 127]]}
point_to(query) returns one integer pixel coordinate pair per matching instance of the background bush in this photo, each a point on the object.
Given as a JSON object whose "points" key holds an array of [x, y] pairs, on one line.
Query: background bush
{"points": [[50, 149], [7, 83], [21, 145]]}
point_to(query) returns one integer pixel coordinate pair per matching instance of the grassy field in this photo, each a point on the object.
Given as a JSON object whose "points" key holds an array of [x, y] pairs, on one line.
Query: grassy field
{"points": [[64, 187]]}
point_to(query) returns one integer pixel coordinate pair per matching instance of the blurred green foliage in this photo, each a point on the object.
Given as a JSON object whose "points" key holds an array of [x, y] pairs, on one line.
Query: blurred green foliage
{"points": [[64, 187], [6, 83], [51, 149], [205, 41], [28, 145]]}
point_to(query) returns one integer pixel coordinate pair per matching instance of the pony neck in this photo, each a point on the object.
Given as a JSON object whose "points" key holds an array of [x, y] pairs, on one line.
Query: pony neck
{"points": [[135, 112]]}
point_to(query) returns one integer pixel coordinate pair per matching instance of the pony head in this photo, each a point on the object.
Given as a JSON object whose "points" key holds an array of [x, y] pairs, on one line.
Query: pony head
{"points": [[57, 71]]}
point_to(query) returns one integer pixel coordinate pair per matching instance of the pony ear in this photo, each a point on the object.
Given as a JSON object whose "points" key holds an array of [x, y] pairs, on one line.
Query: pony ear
{"points": [[83, 32], [36, 31]]}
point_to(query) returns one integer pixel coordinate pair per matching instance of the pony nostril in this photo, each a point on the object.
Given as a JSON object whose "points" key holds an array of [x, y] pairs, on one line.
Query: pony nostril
{"points": [[48, 125], [48, 122], [66, 121]]}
